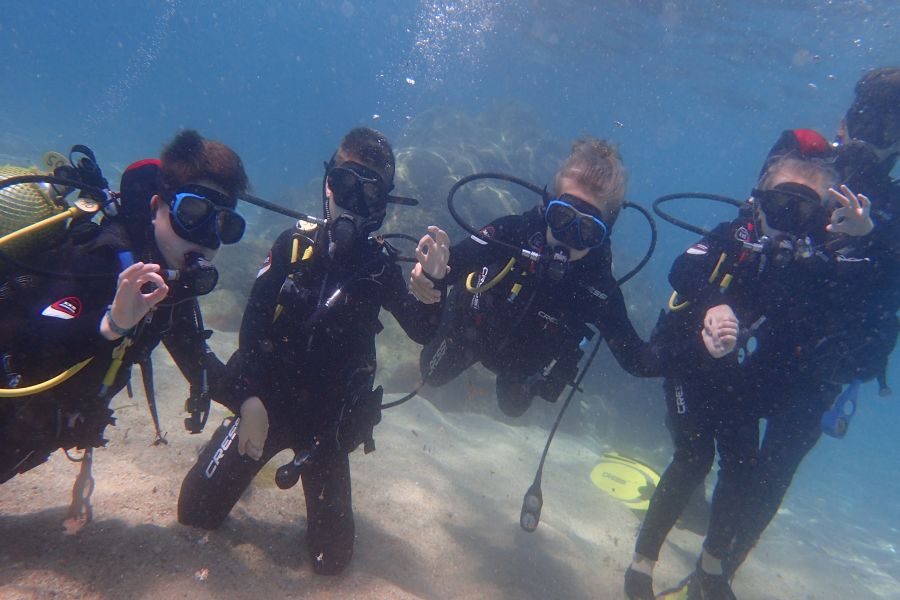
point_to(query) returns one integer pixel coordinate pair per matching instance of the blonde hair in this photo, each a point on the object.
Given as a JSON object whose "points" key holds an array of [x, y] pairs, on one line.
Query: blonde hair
{"points": [[811, 170], [596, 165]]}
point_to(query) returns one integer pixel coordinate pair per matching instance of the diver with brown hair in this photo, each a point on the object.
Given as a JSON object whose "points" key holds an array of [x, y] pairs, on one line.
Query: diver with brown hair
{"points": [[303, 375], [525, 320], [119, 289]]}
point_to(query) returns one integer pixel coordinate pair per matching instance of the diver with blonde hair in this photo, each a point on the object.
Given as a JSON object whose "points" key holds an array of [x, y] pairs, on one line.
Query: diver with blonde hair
{"points": [[522, 319]]}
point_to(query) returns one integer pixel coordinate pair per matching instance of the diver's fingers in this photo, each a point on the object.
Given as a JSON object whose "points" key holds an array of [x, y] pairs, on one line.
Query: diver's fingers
{"points": [[424, 247], [841, 198], [727, 334], [854, 201], [131, 271], [440, 236], [160, 291], [864, 203]]}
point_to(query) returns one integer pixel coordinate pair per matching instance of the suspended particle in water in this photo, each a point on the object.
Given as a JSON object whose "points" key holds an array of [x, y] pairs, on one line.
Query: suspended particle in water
{"points": [[410, 81], [812, 86], [375, 117], [619, 124], [831, 76]]}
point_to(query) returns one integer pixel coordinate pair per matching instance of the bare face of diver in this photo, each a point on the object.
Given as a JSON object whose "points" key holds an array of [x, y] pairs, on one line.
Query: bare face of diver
{"points": [[568, 186]]}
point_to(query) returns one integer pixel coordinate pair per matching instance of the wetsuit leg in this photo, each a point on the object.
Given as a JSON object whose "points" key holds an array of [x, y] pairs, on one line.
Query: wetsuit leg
{"points": [[737, 440], [515, 392], [329, 511], [693, 436], [791, 432], [215, 483], [450, 351]]}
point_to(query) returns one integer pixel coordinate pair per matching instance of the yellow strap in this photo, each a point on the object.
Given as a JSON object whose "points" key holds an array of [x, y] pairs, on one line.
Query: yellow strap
{"points": [[726, 281], [44, 385], [295, 249], [503, 273], [715, 272], [117, 356], [674, 305]]}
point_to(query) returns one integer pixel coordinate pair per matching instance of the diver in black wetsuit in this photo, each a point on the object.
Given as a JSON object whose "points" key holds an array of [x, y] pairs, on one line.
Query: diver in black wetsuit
{"points": [[524, 320], [172, 216], [766, 281], [305, 367], [868, 149]]}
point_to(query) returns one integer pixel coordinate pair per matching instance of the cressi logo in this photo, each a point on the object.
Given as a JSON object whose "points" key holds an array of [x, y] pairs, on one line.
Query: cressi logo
{"points": [[223, 447], [67, 308], [742, 234]]}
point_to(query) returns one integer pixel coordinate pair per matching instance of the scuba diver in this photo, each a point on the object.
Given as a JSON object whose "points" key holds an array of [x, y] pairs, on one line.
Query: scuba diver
{"points": [[116, 291], [766, 293], [867, 149], [525, 319], [303, 375]]}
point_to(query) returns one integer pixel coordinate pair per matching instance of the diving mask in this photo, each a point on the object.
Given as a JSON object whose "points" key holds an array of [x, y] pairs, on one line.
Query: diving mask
{"points": [[206, 217], [575, 223]]}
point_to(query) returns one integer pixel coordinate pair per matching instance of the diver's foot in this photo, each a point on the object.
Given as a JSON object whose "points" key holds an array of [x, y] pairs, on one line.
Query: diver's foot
{"points": [[638, 586], [713, 587]]}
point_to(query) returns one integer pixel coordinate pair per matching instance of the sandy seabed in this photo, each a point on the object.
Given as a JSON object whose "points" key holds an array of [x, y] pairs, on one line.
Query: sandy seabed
{"points": [[437, 508]]}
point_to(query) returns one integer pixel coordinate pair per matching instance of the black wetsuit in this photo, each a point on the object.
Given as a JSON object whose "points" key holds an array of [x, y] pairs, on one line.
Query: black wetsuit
{"points": [[793, 350], [51, 324], [313, 367], [860, 332], [527, 328]]}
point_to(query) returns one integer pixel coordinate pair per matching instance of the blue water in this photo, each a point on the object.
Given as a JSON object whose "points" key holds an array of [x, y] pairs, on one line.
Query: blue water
{"points": [[693, 92]]}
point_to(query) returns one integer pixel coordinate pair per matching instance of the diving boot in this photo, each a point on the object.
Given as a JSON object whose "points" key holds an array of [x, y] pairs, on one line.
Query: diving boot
{"points": [[638, 586], [713, 587]]}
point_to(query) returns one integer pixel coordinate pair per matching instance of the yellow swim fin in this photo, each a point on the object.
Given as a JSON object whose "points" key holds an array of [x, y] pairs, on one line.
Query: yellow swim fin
{"points": [[626, 479], [683, 591]]}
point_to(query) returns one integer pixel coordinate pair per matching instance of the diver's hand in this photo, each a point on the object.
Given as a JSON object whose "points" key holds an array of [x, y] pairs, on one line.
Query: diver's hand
{"points": [[253, 428], [720, 330], [433, 253], [131, 304], [852, 216]]}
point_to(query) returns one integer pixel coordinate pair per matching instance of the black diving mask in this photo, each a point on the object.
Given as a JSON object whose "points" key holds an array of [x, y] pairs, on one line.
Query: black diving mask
{"points": [[206, 217], [358, 189], [575, 223], [793, 208]]}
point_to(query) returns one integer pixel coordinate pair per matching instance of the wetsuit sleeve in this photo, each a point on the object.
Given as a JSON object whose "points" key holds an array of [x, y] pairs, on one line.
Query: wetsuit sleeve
{"points": [[633, 354], [61, 325], [419, 321], [187, 344], [248, 367]]}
